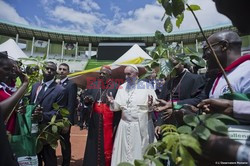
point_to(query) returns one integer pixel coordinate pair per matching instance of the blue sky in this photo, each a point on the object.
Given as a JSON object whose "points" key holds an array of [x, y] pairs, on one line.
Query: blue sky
{"points": [[103, 16]]}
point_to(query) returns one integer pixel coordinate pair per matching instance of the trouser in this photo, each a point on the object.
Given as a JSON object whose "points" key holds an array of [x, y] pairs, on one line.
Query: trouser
{"points": [[48, 156], [66, 151], [84, 117]]}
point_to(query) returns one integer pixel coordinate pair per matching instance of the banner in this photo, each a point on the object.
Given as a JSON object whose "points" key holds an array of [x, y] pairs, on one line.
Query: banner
{"points": [[40, 43], [69, 46]]}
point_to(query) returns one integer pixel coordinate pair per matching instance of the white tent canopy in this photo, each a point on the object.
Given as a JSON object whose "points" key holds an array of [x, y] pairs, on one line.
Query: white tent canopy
{"points": [[134, 52], [14, 52]]}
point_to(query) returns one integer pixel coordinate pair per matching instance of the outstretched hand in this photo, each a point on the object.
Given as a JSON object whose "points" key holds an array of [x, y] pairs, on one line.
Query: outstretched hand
{"points": [[110, 98], [23, 77], [217, 106], [162, 105]]}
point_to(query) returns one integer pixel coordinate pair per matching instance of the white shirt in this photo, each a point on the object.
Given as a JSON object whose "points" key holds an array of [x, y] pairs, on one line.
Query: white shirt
{"points": [[63, 80], [241, 110], [48, 83], [239, 79]]}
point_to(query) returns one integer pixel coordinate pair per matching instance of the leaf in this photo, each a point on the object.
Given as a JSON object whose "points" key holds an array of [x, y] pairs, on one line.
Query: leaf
{"points": [[155, 55], [168, 26], [64, 112], [156, 161], [154, 64], [55, 106], [174, 151], [170, 140], [178, 7], [151, 150], [168, 7], [236, 96], [160, 1], [198, 61], [148, 68], [168, 128], [39, 145], [139, 163], [54, 129], [191, 142], [54, 144], [202, 132], [44, 57], [125, 164], [53, 119], [179, 20], [59, 124], [223, 118], [194, 7], [165, 66], [191, 120], [187, 159], [184, 129], [160, 38], [216, 125]]}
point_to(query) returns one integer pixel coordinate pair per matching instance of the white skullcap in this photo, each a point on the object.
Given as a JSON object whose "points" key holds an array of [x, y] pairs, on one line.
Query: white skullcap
{"points": [[134, 67]]}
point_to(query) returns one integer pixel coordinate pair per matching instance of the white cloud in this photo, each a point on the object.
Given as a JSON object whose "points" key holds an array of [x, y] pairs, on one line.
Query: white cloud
{"points": [[116, 10], [9, 13], [70, 28], [61, 1], [142, 20], [39, 21], [148, 19], [207, 16], [85, 20], [87, 5]]}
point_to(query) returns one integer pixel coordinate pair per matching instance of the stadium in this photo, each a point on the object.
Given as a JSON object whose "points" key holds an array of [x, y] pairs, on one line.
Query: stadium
{"points": [[86, 51]]}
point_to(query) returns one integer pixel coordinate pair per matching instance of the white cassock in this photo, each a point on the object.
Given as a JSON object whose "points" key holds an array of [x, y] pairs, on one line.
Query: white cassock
{"points": [[135, 130]]}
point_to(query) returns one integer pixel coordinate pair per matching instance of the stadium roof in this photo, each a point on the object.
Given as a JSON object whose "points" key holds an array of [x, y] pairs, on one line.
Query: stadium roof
{"points": [[28, 32]]}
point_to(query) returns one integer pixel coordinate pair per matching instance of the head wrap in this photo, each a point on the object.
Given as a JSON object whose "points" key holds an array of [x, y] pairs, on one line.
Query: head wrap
{"points": [[106, 67]]}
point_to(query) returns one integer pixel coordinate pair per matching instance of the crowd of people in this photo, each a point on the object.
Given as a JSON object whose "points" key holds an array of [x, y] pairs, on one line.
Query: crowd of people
{"points": [[122, 120]]}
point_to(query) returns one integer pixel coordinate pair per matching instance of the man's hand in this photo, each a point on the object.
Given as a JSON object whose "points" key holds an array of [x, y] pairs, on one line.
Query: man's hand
{"points": [[150, 100], [167, 113], [65, 130], [217, 106], [88, 99], [157, 131], [162, 105], [38, 114], [215, 146], [110, 98]]}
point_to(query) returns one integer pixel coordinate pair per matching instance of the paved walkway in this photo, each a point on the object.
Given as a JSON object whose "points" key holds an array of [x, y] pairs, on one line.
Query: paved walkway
{"points": [[78, 140]]}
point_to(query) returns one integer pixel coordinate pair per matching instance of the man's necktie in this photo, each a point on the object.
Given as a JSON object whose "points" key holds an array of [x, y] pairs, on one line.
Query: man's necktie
{"points": [[40, 94]]}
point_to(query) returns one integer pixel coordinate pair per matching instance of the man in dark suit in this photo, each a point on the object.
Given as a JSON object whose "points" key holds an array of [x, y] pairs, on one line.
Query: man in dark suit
{"points": [[71, 90], [184, 89], [46, 93]]}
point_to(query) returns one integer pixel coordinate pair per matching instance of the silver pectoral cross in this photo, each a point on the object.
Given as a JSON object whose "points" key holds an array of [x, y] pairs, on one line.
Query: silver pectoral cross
{"points": [[128, 102]]}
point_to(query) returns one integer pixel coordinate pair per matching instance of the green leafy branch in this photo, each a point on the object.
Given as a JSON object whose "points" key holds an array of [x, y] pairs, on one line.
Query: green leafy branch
{"points": [[164, 54], [180, 145], [174, 9], [35, 72], [50, 133]]}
